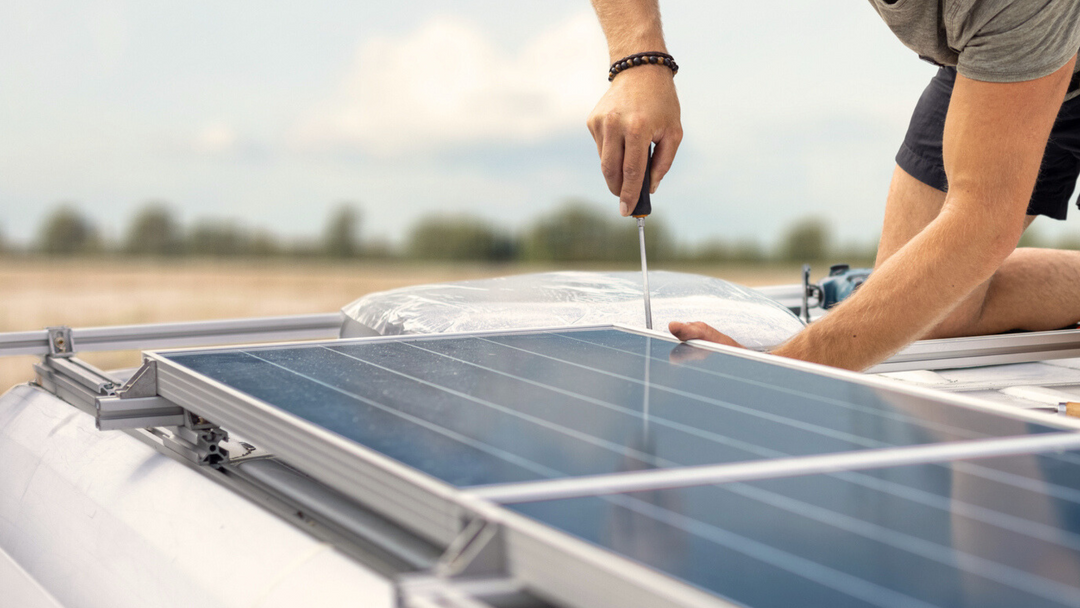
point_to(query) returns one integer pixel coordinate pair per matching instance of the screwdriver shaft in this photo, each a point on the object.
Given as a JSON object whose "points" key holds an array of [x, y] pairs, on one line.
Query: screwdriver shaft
{"points": [[644, 272]]}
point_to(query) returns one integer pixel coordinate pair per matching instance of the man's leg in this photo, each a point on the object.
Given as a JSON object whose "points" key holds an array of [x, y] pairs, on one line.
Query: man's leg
{"points": [[1035, 289]]}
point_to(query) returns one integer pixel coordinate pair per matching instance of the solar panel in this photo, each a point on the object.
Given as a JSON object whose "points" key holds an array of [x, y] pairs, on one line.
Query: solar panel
{"points": [[418, 428], [509, 408], [993, 532]]}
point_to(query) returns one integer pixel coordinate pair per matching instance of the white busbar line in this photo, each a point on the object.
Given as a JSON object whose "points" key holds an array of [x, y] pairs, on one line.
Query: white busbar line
{"points": [[659, 479]]}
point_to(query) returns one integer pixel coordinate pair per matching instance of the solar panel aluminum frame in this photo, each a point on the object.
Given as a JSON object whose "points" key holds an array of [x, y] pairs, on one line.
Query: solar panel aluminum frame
{"points": [[423, 504]]}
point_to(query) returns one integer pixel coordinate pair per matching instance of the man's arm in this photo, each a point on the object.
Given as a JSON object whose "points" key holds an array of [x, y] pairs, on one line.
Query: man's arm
{"points": [[995, 135], [640, 107]]}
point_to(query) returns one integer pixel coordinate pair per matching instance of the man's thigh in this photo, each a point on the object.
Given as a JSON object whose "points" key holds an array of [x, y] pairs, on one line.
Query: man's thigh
{"points": [[921, 157], [910, 207]]}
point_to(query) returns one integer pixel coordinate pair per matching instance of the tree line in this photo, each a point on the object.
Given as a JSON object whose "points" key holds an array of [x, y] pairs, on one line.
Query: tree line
{"points": [[576, 232]]}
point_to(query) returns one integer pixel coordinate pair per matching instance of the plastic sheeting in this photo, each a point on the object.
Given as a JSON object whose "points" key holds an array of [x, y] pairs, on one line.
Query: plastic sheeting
{"points": [[558, 299]]}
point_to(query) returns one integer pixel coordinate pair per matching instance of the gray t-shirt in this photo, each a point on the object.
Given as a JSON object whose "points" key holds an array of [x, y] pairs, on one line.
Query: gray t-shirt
{"points": [[988, 40]]}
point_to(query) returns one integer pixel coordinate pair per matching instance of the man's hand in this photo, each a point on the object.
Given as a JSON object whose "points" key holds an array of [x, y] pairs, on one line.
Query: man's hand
{"points": [[640, 107], [700, 331]]}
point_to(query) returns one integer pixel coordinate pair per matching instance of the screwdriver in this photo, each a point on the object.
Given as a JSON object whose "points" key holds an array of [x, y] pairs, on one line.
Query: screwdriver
{"points": [[644, 208]]}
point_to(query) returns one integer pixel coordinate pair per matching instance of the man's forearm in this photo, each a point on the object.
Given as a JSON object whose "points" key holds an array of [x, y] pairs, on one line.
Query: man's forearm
{"points": [[917, 287], [631, 26]]}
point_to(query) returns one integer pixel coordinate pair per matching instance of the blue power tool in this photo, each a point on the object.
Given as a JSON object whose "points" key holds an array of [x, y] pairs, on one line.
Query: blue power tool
{"points": [[842, 281]]}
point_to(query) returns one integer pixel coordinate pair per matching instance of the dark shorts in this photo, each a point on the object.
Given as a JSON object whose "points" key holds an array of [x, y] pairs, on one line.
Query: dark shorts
{"points": [[920, 155]]}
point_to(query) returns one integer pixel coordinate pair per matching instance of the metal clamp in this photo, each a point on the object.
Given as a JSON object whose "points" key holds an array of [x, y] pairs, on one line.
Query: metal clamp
{"points": [[117, 413], [472, 571], [61, 343], [477, 551], [136, 405]]}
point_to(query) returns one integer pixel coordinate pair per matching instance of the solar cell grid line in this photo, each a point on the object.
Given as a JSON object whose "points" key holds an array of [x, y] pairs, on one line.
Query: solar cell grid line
{"points": [[974, 416], [447, 397], [424, 423], [761, 451], [809, 387], [1018, 481], [838, 540], [719, 438], [565, 430], [868, 443], [875, 595], [540, 469], [1039, 530], [881, 382], [414, 344], [649, 459], [690, 476], [922, 547], [958, 431], [388, 431], [374, 477]]}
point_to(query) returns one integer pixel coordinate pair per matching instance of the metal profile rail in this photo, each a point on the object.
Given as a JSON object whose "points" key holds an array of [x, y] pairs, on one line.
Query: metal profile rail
{"points": [[978, 351], [177, 335]]}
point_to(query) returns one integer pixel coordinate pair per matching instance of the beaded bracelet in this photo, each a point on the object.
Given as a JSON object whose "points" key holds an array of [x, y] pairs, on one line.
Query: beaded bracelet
{"points": [[653, 57]]}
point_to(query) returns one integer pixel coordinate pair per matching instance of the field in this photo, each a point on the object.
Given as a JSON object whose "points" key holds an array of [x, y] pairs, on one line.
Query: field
{"points": [[38, 293]]}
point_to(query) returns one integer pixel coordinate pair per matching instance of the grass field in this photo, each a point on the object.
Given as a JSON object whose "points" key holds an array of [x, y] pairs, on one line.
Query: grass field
{"points": [[39, 293]]}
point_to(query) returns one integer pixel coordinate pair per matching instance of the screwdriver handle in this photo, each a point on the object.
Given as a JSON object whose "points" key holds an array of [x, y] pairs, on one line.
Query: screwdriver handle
{"points": [[644, 204]]}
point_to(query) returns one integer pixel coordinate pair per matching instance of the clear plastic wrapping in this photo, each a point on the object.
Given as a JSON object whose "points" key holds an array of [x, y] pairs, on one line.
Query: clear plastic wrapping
{"points": [[557, 299]]}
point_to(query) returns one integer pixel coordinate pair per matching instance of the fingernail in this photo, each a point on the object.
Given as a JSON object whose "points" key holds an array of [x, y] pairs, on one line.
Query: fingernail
{"points": [[652, 190], [624, 208]]}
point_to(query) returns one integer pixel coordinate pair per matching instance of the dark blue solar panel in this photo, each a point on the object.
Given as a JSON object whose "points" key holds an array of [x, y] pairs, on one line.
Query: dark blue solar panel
{"points": [[1001, 532], [507, 408]]}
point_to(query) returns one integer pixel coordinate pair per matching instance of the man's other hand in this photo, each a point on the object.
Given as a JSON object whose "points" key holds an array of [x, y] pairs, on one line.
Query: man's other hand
{"points": [[640, 107], [700, 331]]}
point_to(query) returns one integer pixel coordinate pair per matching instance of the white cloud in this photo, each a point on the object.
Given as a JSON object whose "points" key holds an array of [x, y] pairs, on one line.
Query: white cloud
{"points": [[447, 84]]}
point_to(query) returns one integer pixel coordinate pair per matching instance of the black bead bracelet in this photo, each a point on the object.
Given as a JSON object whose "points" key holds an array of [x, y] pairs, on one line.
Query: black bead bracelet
{"points": [[636, 59]]}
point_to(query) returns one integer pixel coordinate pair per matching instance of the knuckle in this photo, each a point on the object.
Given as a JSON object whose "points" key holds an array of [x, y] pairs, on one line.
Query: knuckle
{"points": [[635, 128], [609, 170]]}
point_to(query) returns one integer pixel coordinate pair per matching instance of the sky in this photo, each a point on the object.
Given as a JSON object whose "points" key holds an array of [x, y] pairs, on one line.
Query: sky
{"points": [[272, 113]]}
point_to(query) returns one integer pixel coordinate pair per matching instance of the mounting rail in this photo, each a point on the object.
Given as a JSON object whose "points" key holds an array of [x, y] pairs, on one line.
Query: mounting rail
{"points": [[171, 335], [979, 351]]}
